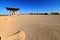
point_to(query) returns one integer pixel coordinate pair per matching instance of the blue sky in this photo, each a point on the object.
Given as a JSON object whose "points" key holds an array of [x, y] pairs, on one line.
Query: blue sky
{"points": [[28, 6]]}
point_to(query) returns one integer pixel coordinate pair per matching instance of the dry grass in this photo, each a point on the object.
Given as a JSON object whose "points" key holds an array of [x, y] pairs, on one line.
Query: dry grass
{"points": [[36, 27]]}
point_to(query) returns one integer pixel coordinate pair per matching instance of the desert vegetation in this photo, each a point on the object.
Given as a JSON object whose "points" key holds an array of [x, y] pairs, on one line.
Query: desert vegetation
{"points": [[54, 13], [51, 13], [3, 15], [38, 13]]}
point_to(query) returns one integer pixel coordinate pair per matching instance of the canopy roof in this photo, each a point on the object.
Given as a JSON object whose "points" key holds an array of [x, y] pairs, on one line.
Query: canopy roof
{"points": [[12, 9]]}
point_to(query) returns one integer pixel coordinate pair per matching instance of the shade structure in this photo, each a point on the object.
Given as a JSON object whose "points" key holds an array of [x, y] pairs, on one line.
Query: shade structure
{"points": [[12, 10]]}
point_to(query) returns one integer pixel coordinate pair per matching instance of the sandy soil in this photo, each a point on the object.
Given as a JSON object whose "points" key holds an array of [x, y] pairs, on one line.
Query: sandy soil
{"points": [[36, 27]]}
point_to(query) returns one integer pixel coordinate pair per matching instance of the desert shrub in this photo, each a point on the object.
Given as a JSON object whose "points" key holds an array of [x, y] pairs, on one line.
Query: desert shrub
{"points": [[3, 15], [36, 13], [41, 13], [54, 13], [45, 13], [31, 13]]}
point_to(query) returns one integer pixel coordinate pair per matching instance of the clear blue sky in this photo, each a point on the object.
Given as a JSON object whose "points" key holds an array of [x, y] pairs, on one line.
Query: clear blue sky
{"points": [[28, 6]]}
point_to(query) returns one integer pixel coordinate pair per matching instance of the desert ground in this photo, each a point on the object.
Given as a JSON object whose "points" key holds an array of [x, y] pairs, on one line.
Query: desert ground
{"points": [[35, 27]]}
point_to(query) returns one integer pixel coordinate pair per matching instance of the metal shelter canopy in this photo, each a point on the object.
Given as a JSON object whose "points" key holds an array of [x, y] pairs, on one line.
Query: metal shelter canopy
{"points": [[12, 9]]}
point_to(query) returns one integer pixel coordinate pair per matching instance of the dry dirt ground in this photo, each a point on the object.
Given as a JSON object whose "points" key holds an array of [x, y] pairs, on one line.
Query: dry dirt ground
{"points": [[36, 27]]}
